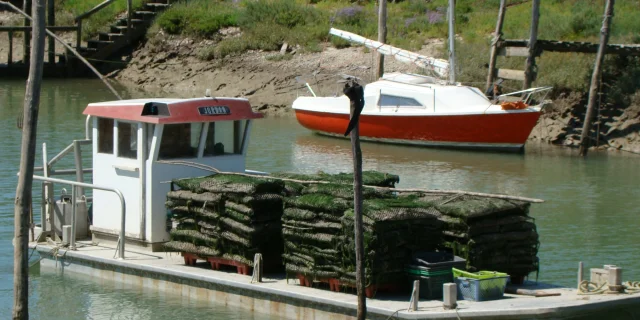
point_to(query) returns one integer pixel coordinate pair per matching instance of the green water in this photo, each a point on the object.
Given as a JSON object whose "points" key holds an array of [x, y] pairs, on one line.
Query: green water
{"points": [[590, 213]]}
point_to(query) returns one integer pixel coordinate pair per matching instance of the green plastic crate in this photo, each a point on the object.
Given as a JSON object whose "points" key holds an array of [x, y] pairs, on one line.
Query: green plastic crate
{"points": [[478, 275], [480, 286], [430, 281]]}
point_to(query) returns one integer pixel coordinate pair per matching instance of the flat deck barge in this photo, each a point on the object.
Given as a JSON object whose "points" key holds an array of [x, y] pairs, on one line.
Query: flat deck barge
{"points": [[279, 297]]}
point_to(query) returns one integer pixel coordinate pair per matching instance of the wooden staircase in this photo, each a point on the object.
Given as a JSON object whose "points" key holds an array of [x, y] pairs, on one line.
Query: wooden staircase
{"points": [[119, 40]]}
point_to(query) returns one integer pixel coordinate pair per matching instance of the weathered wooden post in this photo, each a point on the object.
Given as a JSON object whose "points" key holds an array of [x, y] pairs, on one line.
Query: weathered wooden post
{"points": [[356, 95], [27, 159], [595, 77], [415, 296], [129, 14], [497, 36], [529, 71], [51, 19], [79, 34], [10, 57], [26, 7], [580, 273], [382, 33]]}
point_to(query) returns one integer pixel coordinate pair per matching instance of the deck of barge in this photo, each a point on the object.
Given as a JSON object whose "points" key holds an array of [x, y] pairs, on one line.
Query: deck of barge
{"points": [[286, 299]]}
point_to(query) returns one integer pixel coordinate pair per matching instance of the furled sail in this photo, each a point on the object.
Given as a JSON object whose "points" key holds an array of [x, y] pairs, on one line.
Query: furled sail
{"points": [[438, 66]]}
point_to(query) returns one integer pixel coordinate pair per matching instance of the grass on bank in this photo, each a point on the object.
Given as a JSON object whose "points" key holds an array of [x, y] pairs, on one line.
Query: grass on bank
{"points": [[267, 24]]}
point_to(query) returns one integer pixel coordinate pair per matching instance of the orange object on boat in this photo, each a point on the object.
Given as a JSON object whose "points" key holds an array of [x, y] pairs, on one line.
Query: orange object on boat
{"points": [[518, 105]]}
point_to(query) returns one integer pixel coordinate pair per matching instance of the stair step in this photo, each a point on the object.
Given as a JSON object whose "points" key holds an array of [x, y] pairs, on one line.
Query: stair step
{"points": [[144, 13], [98, 44], [87, 50], [104, 36], [156, 7], [116, 29], [123, 22]]}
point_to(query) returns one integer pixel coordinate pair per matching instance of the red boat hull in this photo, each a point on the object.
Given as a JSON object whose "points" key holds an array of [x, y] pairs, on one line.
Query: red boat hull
{"points": [[499, 131]]}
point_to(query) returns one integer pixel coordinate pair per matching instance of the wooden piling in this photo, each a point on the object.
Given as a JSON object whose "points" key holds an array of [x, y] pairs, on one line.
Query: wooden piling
{"points": [[415, 295], [51, 20], [497, 36], [529, 71], [26, 7], [595, 77], [356, 95], [580, 273], [129, 16], [25, 180], [10, 57], [382, 33]]}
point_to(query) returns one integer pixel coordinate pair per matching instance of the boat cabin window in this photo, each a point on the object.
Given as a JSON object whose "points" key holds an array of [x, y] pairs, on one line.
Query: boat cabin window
{"points": [[387, 100], [127, 140], [180, 141], [224, 137], [105, 135]]}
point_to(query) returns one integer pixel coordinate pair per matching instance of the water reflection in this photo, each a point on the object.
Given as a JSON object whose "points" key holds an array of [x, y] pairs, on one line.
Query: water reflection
{"points": [[417, 167], [57, 296], [590, 213]]}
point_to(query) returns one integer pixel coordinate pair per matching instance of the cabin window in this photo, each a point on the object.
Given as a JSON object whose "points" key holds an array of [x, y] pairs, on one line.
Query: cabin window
{"points": [[105, 135], [387, 100], [127, 140], [224, 137], [180, 141]]}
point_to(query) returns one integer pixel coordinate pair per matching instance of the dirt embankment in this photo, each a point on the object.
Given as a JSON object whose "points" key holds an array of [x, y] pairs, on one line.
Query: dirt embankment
{"points": [[170, 66]]}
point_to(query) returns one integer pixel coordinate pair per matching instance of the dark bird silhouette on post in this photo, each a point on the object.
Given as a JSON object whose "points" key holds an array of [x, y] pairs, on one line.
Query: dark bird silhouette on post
{"points": [[355, 93]]}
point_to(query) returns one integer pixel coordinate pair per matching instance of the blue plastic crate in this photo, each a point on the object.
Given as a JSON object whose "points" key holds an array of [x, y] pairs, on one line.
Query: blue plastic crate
{"points": [[481, 289]]}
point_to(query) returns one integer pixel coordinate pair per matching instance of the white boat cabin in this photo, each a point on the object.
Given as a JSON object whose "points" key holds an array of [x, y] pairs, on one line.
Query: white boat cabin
{"points": [[140, 145], [411, 94]]}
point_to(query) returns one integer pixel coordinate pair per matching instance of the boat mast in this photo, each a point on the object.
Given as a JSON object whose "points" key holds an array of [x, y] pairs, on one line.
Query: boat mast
{"points": [[452, 37]]}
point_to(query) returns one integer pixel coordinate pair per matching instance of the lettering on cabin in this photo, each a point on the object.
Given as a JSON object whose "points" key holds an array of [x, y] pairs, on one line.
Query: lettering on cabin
{"points": [[214, 110]]}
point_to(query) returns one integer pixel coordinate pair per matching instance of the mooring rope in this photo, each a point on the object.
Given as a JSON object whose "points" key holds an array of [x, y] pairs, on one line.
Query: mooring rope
{"points": [[590, 288]]}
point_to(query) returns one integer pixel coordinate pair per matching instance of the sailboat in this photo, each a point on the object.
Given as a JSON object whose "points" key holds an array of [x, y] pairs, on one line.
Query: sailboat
{"points": [[433, 111]]}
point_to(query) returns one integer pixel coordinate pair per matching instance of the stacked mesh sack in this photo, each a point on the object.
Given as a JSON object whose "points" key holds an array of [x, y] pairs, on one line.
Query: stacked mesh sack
{"points": [[245, 221], [318, 228], [491, 234], [394, 229], [312, 228]]}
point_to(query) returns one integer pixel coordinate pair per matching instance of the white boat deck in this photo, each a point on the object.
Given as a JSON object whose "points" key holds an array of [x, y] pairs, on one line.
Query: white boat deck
{"points": [[167, 272]]}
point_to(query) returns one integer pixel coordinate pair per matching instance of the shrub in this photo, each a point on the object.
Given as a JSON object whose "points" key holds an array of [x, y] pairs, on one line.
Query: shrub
{"points": [[286, 13], [198, 18]]}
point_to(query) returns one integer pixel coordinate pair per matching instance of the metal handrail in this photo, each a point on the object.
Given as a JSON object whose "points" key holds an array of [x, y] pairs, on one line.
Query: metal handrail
{"points": [[93, 186]]}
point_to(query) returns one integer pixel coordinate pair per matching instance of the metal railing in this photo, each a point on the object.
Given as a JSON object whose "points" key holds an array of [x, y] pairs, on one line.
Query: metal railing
{"points": [[75, 184]]}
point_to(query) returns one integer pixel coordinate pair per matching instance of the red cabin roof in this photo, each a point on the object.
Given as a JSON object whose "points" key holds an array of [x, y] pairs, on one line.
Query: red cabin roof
{"points": [[162, 111]]}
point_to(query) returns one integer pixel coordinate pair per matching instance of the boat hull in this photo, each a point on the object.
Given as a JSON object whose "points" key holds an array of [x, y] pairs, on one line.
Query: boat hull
{"points": [[497, 131]]}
